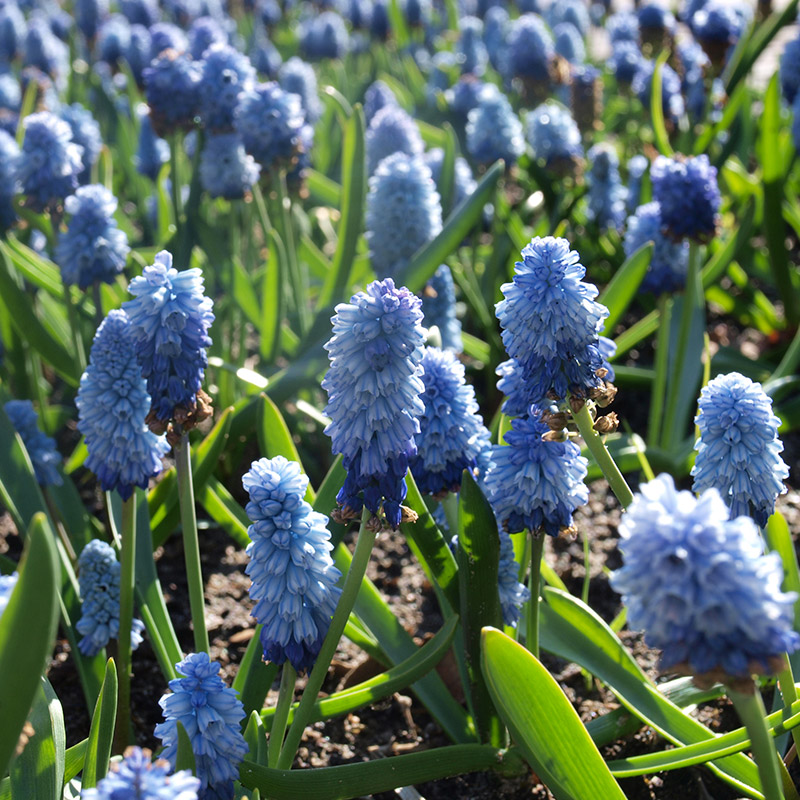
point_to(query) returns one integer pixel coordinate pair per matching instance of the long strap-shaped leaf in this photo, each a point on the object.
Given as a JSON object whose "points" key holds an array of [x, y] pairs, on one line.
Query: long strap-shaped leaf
{"points": [[101, 732]]}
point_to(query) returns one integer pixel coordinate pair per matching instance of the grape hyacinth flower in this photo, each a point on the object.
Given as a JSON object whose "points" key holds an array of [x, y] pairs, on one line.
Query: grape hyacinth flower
{"points": [[623, 26], [172, 87], [464, 184], [226, 170], [298, 77], [700, 586], [377, 96], [50, 162], [324, 36], [718, 26], [166, 36], [374, 388], [403, 212], [530, 49], [471, 53], [392, 130], [625, 62], [533, 483], [202, 34], [99, 578], [551, 326], [670, 259], [293, 576], [136, 777], [152, 152], [86, 133], [112, 405], [465, 95], [671, 98], [211, 713], [226, 75], [738, 452], [513, 594], [113, 39], [493, 129], [170, 318], [687, 190], [92, 248], [41, 447], [12, 31], [137, 53], [449, 439], [554, 137], [573, 12], [439, 308], [637, 166], [7, 584], [606, 192], [569, 43]]}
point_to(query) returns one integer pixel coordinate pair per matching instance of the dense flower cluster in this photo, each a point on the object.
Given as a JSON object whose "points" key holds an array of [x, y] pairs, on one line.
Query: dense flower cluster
{"points": [[85, 133], [170, 318], [112, 405], [172, 87], [392, 130], [463, 184], [152, 152], [293, 576], [98, 577], [607, 195], [374, 388], [211, 713], [530, 48], [298, 77], [672, 102], [136, 777], [226, 75], [553, 135], [377, 96], [699, 584], [439, 308], [226, 170], [41, 447], [493, 129], [738, 452]]}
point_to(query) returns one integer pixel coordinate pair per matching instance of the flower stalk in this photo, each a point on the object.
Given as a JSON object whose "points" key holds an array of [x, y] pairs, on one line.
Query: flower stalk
{"points": [[126, 589]]}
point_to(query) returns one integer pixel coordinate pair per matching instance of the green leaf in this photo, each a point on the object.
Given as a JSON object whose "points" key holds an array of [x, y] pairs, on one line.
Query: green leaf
{"points": [[460, 222], [244, 294], [254, 678], [101, 733], [225, 511], [272, 298], [27, 634], [447, 175], [325, 500], [73, 761], [255, 735], [39, 271], [779, 539], [38, 771], [398, 24], [323, 188], [618, 295], [657, 106], [185, 756], [543, 722]]}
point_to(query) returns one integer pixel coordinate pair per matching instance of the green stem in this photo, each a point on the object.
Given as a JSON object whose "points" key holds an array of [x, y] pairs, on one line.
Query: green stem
{"points": [[662, 370], [77, 339], [175, 186], [789, 694], [126, 589], [278, 729], [352, 584], [299, 281], [532, 637], [603, 458], [750, 708], [191, 545]]}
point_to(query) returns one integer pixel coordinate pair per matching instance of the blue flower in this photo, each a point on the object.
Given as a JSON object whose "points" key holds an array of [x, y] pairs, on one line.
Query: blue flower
{"points": [[606, 192], [138, 778], [493, 129], [92, 248], [227, 74], [449, 439], [374, 388], [465, 95], [796, 123], [790, 69], [513, 594], [464, 183], [50, 162], [471, 53], [98, 577], [623, 27], [530, 49], [294, 579], [495, 31], [265, 57], [9, 184], [170, 318], [403, 212], [392, 130], [671, 98], [113, 39], [298, 77], [439, 308], [637, 166], [12, 31], [687, 190], [41, 447], [718, 26], [44, 50], [670, 259], [626, 61], [10, 92], [270, 120], [417, 12], [700, 586], [533, 483], [112, 405], [172, 87], [324, 36], [225, 168], [379, 21], [137, 53], [7, 584], [738, 452], [204, 32], [211, 713], [568, 43], [655, 17], [377, 96], [152, 152], [88, 14], [551, 323], [140, 12], [575, 12], [166, 36], [553, 135]]}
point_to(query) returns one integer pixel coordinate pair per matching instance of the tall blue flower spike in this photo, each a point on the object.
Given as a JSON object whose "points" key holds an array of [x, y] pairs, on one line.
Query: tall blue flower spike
{"points": [[403, 212], [374, 389], [439, 308], [7, 584], [493, 129], [172, 87], [211, 713], [533, 483], [41, 447], [530, 49], [152, 152], [166, 36], [637, 166], [464, 183], [112, 405], [226, 170], [86, 133], [377, 96], [553, 135], [551, 326], [293, 576], [226, 75], [92, 249], [98, 578], [202, 33], [170, 317], [136, 777], [392, 130], [606, 193], [738, 452], [672, 102], [700, 587], [298, 77]]}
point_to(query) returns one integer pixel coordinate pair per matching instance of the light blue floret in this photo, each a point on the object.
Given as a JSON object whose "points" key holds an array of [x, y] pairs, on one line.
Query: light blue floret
{"points": [[226, 170], [293, 576], [606, 193], [670, 259], [699, 584], [226, 75], [298, 77], [553, 135], [41, 447], [392, 130], [530, 49], [152, 152], [439, 308], [493, 129], [738, 452]]}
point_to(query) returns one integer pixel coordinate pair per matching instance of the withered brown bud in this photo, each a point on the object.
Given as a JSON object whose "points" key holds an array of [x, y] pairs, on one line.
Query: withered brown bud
{"points": [[607, 424]]}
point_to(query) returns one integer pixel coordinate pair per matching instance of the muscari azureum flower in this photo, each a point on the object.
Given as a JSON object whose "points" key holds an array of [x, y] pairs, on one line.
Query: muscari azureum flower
{"points": [[86, 133], [392, 130], [790, 69], [374, 389], [153, 151], [700, 586], [112, 405], [606, 192], [553, 136], [637, 166], [298, 77], [98, 577], [170, 318], [136, 777], [92, 248], [293, 576], [377, 96], [202, 33], [738, 452], [493, 129], [211, 713], [7, 584], [226, 170], [226, 75], [530, 49], [172, 83], [439, 308], [463, 184], [551, 327], [41, 447]]}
